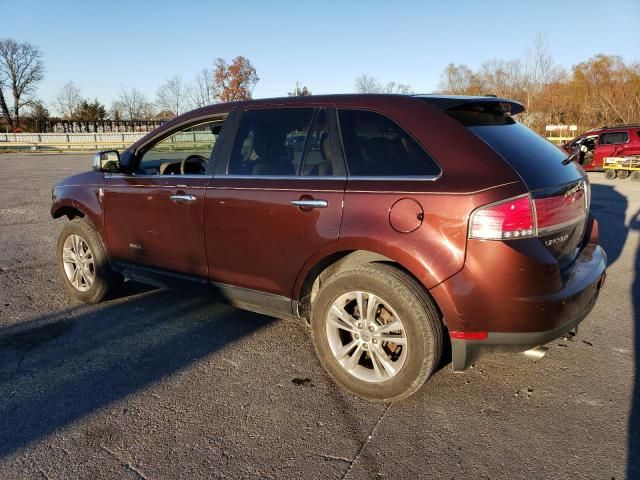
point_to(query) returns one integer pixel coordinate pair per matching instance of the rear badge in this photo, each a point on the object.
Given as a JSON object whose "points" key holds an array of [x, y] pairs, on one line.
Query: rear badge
{"points": [[555, 241], [136, 246]]}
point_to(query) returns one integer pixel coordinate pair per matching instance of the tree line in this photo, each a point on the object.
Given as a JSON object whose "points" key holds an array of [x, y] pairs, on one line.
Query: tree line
{"points": [[603, 90], [22, 69]]}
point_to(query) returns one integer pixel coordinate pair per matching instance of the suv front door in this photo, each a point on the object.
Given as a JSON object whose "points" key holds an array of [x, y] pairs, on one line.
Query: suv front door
{"points": [[277, 200], [154, 216]]}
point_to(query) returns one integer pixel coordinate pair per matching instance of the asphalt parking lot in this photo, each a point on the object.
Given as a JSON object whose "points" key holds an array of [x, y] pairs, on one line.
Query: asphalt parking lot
{"points": [[158, 384]]}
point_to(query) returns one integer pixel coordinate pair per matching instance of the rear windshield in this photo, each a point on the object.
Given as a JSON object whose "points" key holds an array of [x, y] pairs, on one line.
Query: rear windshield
{"points": [[536, 160]]}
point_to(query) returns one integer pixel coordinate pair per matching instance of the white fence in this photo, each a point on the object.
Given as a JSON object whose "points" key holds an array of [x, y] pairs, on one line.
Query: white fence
{"points": [[67, 141], [71, 137]]}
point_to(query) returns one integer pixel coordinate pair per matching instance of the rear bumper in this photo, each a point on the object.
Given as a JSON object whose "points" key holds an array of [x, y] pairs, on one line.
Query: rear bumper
{"points": [[568, 307], [465, 352]]}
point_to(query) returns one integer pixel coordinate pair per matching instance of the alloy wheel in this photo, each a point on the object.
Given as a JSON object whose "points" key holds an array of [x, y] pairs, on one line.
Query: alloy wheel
{"points": [[366, 336], [78, 262]]}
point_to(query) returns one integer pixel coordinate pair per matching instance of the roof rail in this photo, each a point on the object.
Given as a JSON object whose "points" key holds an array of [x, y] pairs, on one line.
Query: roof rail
{"points": [[630, 125]]}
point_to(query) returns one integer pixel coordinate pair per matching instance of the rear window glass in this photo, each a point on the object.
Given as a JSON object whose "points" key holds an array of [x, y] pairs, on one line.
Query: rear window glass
{"points": [[537, 161], [376, 146], [612, 138]]}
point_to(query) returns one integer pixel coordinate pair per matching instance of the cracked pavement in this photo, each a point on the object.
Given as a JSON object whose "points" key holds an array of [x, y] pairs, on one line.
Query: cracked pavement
{"points": [[158, 384]]}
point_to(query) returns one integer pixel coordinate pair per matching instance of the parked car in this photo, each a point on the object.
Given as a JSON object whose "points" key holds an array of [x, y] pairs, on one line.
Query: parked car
{"points": [[418, 221], [594, 146]]}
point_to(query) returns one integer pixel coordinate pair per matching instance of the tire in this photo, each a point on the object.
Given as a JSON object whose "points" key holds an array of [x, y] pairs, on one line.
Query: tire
{"points": [[622, 174], [96, 281], [397, 297], [635, 176], [610, 174]]}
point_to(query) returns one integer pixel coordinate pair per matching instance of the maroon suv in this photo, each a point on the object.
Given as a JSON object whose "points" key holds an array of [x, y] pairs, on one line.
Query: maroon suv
{"points": [[390, 223]]}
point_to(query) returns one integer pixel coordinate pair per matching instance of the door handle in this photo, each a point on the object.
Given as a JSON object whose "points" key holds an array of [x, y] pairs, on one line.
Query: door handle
{"points": [[310, 203], [182, 199]]}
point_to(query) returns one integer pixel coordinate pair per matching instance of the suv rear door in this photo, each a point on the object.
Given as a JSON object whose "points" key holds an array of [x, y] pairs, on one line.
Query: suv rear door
{"points": [[276, 200], [609, 145]]}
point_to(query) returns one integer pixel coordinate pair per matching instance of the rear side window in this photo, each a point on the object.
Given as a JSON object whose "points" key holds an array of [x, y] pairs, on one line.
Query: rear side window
{"points": [[271, 142], [376, 146], [613, 138], [538, 162]]}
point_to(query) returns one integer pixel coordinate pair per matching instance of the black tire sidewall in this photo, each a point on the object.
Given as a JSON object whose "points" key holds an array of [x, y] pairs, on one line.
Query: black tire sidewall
{"points": [[103, 277], [422, 354]]}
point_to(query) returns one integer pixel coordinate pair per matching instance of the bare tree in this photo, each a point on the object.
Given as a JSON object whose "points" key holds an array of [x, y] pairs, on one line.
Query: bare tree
{"points": [[148, 111], [116, 112], [368, 84], [203, 91], [504, 78], [173, 96], [21, 68], [393, 87], [133, 104], [459, 80], [67, 100], [300, 92], [540, 68]]}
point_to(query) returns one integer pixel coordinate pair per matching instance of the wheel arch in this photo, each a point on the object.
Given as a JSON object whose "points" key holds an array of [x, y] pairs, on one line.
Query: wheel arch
{"points": [[337, 262], [78, 203], [68, 211]]}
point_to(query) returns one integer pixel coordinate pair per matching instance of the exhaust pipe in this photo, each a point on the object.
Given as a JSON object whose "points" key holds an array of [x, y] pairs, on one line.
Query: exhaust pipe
{"points": [[536, 353]]}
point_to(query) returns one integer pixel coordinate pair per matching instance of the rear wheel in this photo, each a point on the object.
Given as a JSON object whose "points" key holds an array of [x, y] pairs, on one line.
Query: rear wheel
{"points": [[610, 174], [376, 332], [635, 176], [622, 174], [83, 263]]}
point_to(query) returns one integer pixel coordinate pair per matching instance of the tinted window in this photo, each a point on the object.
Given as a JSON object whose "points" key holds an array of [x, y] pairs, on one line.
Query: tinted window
{"points": [[185, 152], [377, 146], [614, 137], [317, 160], [537, 161], [270, 142]]}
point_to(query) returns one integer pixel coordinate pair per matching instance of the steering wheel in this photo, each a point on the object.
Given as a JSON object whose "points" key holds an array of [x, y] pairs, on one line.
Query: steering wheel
{"points": [[110, 166], [198, 158]]}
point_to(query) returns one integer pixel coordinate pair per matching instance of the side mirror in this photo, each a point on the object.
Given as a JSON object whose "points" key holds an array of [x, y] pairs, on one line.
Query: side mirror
{"points": [[106, 161]]}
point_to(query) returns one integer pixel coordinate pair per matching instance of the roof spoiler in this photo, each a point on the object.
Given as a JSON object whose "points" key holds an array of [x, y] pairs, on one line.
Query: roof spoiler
{"points": [[472, 103]]}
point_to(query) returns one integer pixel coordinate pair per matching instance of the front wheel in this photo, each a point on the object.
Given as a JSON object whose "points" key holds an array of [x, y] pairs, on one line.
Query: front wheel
{"points": [[610, 174], [83, 263], [376, 332]]}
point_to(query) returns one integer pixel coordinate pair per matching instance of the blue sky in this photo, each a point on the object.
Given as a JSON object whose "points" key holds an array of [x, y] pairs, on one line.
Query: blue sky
{"points": [[102, 45]]}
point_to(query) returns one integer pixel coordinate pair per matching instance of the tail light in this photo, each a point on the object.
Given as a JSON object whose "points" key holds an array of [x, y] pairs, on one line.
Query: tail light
{"points": [[557, 212], [529, 215], [512, 218]]}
